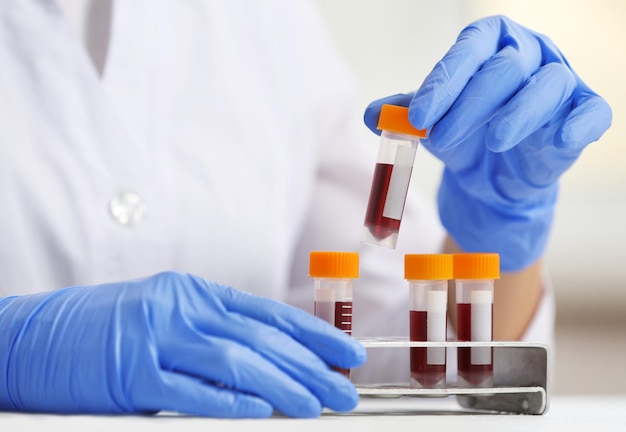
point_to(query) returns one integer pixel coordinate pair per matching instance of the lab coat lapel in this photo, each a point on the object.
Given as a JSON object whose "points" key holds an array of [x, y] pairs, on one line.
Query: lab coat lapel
{"points": [[111, 114], [84, 139], [131, 75]]}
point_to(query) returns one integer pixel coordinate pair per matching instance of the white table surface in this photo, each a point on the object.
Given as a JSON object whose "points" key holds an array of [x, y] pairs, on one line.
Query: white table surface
{"points": [[566, 413]]}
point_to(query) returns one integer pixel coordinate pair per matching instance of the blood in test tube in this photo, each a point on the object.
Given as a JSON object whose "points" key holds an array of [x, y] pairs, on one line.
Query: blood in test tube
{"points": [[343, 316], [428, 276], [475, 364], [428, 369], [343, 321], [474, 278], [392, 174], [333, 273], [379, 225], [340, 315]]}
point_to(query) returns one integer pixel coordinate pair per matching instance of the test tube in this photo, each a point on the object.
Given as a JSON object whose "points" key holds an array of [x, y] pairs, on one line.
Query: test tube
{"points": [[428, 276], [474, 275], [392, 173], [333, 274]]}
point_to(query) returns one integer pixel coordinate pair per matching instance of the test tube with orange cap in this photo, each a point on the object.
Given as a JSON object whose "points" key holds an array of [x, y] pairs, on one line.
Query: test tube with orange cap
{"points": [[474, 275], [394, 164], [333, 274], [428, 276]]}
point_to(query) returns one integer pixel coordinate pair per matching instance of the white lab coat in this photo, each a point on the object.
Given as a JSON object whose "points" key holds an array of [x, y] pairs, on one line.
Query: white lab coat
{"points": [[234, 123]]}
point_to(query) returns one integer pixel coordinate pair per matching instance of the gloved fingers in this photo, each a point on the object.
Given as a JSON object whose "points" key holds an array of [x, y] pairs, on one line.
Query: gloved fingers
{"points": [[586, 123], [238, 367], [298, 343], [501, 47], [294, 359], [334, 346], [289, 338], [203, 303], [286, 336], [189, 395], [537, 103], [372, 112], [481, 99]]}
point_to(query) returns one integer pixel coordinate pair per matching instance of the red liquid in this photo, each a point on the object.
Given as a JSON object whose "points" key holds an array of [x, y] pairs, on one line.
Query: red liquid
{"points": [[380, 226], [343, 321], [474, 375], [343, 316], [427, 375]]}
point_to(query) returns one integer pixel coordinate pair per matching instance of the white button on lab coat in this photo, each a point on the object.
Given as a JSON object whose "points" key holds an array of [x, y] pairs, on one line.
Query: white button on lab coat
{"points": [[222, 139]]}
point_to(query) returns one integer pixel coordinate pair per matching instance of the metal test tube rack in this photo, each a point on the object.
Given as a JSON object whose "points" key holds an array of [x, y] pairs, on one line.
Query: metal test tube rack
{"points": [[521, 376]]}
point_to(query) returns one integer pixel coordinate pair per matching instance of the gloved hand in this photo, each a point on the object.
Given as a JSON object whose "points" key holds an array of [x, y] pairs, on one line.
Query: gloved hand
{"points": [[170, 342], [507, 116]]}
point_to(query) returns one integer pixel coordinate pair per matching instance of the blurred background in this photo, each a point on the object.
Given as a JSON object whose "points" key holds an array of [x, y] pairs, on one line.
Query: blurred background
{"points": [[392, 45]]}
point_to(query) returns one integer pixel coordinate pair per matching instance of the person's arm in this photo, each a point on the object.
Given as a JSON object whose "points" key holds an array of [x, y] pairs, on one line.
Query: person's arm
{"points": [[516, 298]]}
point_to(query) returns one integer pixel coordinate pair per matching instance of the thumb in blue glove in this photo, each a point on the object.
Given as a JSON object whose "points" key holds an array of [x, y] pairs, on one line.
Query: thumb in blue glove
{"points": [[508, 116], [171, 342]]}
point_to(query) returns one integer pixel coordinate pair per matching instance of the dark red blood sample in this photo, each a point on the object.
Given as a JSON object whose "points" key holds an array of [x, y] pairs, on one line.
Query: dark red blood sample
{"points": [[380, 226], [428, 375], [343, 321], [474, 375], [343, 316]]}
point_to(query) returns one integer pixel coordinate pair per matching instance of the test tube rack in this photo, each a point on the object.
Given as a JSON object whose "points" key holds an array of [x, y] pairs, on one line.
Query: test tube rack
{"points": [[520, 377]]}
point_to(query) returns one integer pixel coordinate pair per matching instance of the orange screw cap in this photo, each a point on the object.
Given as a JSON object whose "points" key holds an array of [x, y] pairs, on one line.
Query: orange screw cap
{"points": [[476, 265], [334, 264], [428, 267]]}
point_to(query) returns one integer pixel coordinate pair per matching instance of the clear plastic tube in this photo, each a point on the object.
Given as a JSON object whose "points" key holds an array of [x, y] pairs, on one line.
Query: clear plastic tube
{"points": [[474, 278], [390, 185], [392, 174], [333, 274], [333, 302], [428, 323], [475, 323], [428, 276]]}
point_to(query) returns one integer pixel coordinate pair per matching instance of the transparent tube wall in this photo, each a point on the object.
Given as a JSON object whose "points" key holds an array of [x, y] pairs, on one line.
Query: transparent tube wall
{"points": [[394, 165], [333, 304], [474, 300], [428, 323]]}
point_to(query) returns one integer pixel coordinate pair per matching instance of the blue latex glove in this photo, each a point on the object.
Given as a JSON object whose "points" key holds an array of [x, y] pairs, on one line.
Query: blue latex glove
{"points": [[508, 116], [170, 342]]}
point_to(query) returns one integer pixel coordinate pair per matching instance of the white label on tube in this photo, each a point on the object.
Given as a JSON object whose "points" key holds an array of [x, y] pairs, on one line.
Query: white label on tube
{"points": [[436, 326], [436, 332], [399, 182], [437, 301], [481, 304]]}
